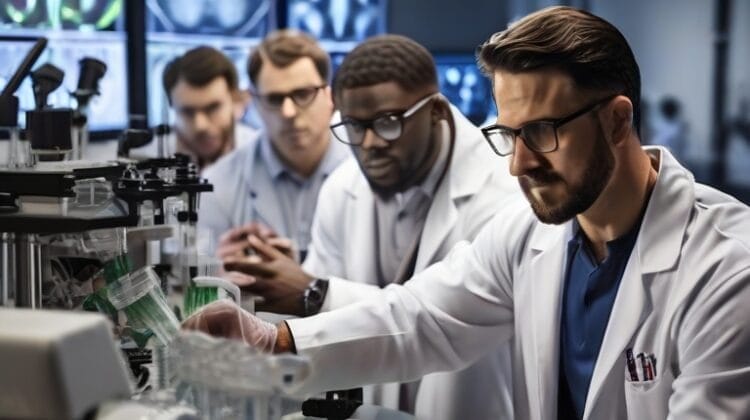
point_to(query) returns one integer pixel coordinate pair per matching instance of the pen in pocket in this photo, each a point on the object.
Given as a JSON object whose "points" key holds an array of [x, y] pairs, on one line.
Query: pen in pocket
{"points": [[630, 363]]}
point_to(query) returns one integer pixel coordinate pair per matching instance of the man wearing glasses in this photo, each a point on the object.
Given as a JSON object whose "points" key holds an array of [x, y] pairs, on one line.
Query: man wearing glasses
{"points": [[270, 186], [624, 287], [422, 181]]}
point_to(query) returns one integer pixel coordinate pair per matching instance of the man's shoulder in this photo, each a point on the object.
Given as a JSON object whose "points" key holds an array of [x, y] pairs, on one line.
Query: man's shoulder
{"points": [[230, 163], [725, 217], [244, 134], [346, 177]]}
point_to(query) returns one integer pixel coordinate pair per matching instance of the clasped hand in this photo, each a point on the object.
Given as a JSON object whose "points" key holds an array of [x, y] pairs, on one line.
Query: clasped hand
{"points": [[269, 271]]}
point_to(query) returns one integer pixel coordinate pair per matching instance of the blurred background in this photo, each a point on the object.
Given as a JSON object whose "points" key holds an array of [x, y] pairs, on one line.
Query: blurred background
{"points": [[693, 54]]}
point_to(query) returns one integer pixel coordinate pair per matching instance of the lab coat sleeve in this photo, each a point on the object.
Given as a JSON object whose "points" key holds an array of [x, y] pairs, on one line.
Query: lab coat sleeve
{"points": [[324, 257], [444, 318], [714, 351]]}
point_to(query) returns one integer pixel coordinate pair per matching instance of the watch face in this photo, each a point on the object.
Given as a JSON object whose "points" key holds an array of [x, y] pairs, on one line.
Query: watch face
{"points": [[314, 296]]}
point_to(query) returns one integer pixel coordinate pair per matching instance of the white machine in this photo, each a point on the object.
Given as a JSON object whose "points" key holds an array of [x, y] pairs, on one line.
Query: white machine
{"points": [[57, 364]]}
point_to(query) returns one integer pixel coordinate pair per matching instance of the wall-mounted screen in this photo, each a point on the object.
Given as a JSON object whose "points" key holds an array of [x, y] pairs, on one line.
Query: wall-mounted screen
{"points": [[232, 26], [75, 29], [466, 87], [338, 24]]}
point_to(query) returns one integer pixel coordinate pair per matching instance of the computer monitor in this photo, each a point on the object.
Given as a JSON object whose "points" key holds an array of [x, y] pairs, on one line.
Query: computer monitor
{"points": [[75, 30], [466, 87], [233, 27], [338, 24]]}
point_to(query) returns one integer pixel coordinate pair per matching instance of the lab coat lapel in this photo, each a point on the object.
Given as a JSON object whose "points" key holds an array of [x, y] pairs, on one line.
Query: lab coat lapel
{"points": [[548, 243], [630, 308], [360, 227], [441, 219], [656, 249], [463, 179]]}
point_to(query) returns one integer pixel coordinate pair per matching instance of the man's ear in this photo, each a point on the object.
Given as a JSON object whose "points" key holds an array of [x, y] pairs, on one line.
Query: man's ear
{"points": [[241, 100], [620, 118], [329, 97], [441, 109]]}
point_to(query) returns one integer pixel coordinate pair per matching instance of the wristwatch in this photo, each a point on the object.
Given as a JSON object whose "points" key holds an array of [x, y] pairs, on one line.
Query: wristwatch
{"points": [[314, 296]]}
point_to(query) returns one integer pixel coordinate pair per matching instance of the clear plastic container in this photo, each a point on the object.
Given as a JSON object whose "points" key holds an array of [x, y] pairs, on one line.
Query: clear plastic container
{"points": [[226, 379], [139, 295]]}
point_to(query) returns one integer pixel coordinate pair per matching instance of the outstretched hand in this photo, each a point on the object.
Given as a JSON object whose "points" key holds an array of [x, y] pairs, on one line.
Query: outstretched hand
{"points": [[224, 318]]}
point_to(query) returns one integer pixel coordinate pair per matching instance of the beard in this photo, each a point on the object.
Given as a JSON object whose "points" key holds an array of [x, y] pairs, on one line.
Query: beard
{"points": [[580, 195], [206, 157], [410, 172]]}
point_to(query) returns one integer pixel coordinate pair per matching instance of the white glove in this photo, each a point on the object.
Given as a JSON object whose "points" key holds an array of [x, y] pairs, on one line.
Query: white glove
{"points": [[224, 318]]}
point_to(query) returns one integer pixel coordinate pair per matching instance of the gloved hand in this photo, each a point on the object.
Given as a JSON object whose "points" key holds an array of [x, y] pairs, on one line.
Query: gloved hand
{"points": [[224, 318]]}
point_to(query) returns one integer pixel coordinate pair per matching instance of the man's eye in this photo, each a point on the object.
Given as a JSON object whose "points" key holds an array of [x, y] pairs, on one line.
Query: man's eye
{"points": [[302, 94], [354, 125], [275, 99]]}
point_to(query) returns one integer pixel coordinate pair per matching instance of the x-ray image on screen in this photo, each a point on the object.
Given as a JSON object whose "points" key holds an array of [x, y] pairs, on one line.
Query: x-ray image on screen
{"points": [[108, 110], [62, 14], [338, 20], [237, 18], [336, 59], [465, 86]]}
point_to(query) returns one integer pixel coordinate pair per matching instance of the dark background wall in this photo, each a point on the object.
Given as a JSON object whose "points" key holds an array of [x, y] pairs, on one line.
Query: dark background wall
{"points": [[447, 25]]}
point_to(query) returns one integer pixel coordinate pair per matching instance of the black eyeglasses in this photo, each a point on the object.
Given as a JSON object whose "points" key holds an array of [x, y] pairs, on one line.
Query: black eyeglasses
{"points": [[301, 97], [539, 136], [387, 126]]}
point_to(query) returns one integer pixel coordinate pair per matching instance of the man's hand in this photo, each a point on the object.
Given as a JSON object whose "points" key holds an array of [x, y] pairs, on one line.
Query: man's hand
{"points": [[224, 318], [233, 243], [276, 277]]}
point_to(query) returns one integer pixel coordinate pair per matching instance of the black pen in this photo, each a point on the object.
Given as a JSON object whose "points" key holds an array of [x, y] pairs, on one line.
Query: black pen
{"points": [[631, 365]]}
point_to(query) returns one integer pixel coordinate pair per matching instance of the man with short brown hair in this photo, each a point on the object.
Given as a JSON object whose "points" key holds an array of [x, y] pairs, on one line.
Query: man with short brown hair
{"points": [[270, 186], [202, 88]]}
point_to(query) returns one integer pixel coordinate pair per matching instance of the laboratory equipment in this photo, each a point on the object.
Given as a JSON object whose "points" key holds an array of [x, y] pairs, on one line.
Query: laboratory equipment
{"points": [[57, 364]]}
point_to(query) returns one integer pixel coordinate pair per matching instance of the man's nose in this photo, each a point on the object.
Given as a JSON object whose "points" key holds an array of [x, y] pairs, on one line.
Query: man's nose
{"points": [[288, 108], [371, 140], [200, 121], [523, 158]]}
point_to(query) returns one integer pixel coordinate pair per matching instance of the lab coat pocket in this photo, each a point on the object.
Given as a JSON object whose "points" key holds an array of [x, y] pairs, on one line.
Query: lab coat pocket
{"points": [[648, 399]]}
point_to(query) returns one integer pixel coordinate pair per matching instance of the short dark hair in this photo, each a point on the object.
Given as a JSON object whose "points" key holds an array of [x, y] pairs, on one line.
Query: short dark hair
{"points": [[387, 58], [585, 47], [284, 47], [199, 67]]}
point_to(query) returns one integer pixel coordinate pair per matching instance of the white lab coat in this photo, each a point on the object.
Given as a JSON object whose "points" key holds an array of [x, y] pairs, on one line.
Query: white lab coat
{"points": [[473, 190], [684, 296]]}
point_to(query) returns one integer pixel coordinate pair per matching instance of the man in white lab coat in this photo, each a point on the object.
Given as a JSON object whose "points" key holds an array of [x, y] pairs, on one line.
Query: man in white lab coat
{"points": [[421, 182], [625, 287]]}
